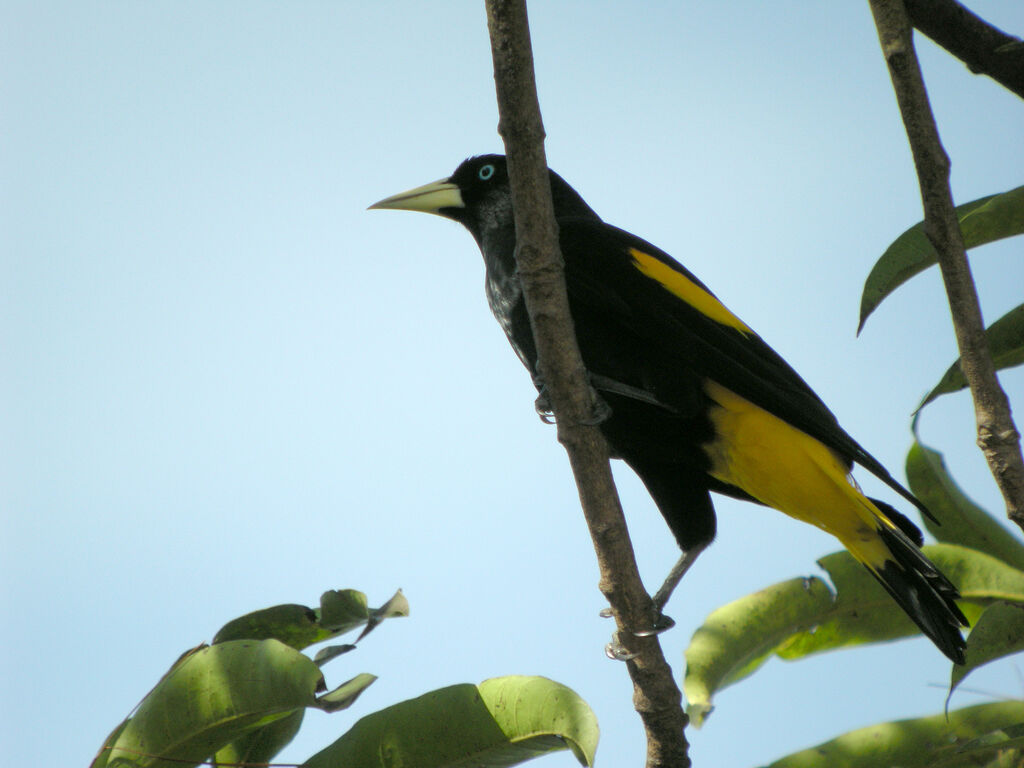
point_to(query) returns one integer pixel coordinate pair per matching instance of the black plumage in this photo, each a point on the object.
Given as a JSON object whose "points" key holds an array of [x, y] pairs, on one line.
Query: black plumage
{"points": [[698, 402]]}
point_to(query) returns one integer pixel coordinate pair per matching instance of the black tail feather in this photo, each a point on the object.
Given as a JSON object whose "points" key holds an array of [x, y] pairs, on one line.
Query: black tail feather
{"points": [[900, 520], [927, 596]]}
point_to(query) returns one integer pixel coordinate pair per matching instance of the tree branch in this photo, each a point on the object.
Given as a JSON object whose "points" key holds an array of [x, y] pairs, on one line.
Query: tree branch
{"points": [[997, 435], [656, 695], [985, 49]]}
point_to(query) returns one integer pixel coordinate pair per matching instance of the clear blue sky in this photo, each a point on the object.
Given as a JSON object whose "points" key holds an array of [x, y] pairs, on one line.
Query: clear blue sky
{"points": [[227, 385]]}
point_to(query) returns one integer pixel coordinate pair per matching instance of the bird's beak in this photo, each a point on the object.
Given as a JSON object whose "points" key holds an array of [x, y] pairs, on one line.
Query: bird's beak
{"points": [[430, 198]]}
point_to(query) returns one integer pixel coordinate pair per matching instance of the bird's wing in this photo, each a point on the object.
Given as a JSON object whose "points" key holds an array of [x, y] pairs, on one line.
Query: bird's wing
{"points": [[616, 278]]}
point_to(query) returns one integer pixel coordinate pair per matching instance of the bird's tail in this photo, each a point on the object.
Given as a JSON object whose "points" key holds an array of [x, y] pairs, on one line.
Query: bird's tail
{"points": [[921, 590], [785, 468]]}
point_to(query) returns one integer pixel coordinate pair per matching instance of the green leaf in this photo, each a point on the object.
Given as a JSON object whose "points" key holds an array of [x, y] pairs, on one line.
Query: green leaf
{"points": [[980, 577], [501, 722], [294, 625], [739, 637], [262, 744], [1010, 737], [1006, 345], [103, 756], [396, 606], [329, 652], [927, 742], [804, 616], [212, 697], [344, 695], [998, 632], [981, 221], [963, 521], [340, 611]]}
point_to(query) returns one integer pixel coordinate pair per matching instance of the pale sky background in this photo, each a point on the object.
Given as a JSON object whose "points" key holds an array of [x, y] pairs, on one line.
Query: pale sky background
{"points": [[227, 385]]}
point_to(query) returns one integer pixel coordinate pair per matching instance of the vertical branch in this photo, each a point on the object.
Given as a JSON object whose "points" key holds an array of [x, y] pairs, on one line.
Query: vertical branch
{"points": [[997, 436], [985, 49], [656, 696]]}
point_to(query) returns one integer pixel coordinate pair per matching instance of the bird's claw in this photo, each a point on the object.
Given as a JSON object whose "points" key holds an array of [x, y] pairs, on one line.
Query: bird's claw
{"points": [[661, 624], [601, 410], [616, 651], [542, 405]]}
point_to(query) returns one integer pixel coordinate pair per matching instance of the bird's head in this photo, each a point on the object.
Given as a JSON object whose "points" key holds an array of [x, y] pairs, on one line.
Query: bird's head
{"points": [[478, 196]]}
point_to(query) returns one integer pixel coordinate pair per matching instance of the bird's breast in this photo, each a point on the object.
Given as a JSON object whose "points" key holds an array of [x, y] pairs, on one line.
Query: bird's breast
{"points": [[505, 298], [504, 293]]}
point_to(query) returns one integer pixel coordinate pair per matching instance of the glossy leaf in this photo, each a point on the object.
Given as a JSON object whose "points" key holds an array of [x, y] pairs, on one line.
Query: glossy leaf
{"points": [[998, 632], [804, 616], [981, 221], [501, 722], [1006, 345], [927, 742], [962, 521], [211, 698]]}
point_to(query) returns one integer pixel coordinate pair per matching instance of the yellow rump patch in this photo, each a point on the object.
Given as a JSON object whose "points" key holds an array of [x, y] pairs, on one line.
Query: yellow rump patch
{"points": [[687, 290], [787, 469]]}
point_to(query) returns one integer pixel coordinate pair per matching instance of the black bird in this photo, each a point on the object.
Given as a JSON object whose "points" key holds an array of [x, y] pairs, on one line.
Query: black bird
{"points": [[697, 402]]}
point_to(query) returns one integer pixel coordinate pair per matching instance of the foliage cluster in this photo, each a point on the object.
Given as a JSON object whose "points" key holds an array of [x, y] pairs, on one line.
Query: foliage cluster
{"points": [[242, 698]]}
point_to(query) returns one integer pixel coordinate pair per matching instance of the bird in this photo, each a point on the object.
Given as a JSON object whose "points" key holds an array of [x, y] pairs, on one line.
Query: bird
{"points": [[694, 401]]}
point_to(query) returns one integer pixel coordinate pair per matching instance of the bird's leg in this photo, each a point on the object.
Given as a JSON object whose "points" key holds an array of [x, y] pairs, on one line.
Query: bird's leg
{"points": [[601, 410], [542, 405], [615, 650], [660, 599]]}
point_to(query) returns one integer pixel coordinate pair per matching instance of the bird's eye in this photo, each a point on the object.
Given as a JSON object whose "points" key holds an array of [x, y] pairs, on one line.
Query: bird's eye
{"points": [[485, 172]]}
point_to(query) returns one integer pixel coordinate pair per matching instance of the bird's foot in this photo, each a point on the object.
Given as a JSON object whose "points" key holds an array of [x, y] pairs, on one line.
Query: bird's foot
{"points": [[616, 651], [601, 410], [660, 624], [542, 405]]}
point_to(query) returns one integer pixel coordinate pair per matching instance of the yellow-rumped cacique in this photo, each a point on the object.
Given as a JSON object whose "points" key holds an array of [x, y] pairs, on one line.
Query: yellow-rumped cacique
{"points": [[696, 401]]}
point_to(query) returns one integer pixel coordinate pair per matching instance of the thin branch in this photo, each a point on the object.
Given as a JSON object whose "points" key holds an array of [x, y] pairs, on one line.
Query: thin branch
{"points": [[997, 435], [985, 49], [656, 695]]}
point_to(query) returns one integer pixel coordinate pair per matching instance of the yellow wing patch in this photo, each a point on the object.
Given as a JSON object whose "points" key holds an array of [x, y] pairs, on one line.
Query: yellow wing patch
{"points": [[687, 290], [789, 470]]}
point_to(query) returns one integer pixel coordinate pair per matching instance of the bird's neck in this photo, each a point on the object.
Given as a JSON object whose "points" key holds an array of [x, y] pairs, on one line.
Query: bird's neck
{"points": [[498, 246]]}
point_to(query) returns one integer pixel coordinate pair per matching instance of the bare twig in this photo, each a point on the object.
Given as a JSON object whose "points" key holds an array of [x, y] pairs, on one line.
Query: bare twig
{"points": [[997, 435], [985, 49], [656, 695]]}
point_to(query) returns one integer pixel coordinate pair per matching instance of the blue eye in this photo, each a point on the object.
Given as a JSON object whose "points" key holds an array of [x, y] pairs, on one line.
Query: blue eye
{"points": [[485, 172]]}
